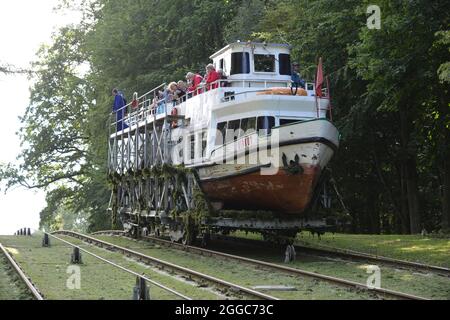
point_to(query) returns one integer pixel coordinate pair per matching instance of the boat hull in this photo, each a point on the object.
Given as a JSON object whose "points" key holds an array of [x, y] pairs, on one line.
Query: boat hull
{"points": [[281, 192], [282, 179]]}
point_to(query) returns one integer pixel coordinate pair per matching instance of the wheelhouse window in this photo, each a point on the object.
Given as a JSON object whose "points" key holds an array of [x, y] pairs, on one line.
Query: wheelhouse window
{"points": [[265, 125], [240, 62], [264, 63], [285, 64]]}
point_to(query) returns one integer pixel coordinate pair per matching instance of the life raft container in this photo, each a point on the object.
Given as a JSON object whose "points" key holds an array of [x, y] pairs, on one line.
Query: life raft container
{"points": [[284, 92]]}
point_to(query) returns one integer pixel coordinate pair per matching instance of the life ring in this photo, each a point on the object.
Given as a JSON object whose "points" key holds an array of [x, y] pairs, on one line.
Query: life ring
{"points": [[174, 113]]}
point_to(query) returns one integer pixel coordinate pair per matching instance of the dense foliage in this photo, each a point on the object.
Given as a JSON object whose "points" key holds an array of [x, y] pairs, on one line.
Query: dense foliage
{"points": [[390, 90]]}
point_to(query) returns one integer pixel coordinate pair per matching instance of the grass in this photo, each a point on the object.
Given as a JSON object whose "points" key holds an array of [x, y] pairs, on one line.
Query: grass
{"points": [[246, 275], [405, 247], [47, 267], [422, 284], [414, 248], [11, 287]]}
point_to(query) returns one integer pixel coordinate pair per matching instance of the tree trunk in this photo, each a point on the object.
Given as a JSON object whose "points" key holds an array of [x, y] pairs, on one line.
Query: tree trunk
{"points": [[445, 162], [404, 201], [446, 195], [413, 196], [409, 163]]}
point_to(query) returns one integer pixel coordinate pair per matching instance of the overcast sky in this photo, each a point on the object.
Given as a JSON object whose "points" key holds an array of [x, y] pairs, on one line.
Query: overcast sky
{"points": [[24, 25]]}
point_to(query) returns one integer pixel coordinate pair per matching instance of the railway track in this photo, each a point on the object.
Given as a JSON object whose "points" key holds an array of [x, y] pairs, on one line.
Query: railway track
{"points": [[122, 268], [385, 293], [348, 254], [26, 281], [200, 277], [353, 255]]}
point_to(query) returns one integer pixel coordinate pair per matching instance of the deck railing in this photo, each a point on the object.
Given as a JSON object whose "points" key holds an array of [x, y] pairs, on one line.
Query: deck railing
{"points": [[150, 104]]}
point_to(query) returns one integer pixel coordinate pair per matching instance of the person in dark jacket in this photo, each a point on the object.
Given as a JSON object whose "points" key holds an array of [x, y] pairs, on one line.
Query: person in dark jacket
{"points": [[119, 109], [296, 78]]}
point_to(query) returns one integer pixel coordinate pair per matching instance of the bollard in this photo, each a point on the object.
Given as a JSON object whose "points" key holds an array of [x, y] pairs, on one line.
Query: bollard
{"points": [[24, 231], [29, 232], [140, 290], [75, 257], [46, 241], [20, 232], [290, 254]]}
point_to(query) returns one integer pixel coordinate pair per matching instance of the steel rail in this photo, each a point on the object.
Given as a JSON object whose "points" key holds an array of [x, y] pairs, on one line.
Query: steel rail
{"points": [[344, 253], [21, 274], [122, 268], [352, 255], [169, 265], [295, 271]]}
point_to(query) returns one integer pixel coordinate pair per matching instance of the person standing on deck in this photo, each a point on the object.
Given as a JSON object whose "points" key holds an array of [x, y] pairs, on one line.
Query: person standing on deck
{"points": [[296, 78], [119, 109], [211, 77], [194, 80]]}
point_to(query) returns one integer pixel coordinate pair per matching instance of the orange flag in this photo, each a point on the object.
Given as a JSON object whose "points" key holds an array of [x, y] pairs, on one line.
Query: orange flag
{"points": [[319, 79]]}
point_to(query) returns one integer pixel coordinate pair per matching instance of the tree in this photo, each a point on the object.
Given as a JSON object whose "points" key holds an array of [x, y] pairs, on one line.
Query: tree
{"points": [[389, 90]]}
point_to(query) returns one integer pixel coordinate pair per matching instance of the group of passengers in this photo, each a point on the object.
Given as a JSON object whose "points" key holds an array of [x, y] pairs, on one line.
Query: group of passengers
{"points": [[177, 92]]}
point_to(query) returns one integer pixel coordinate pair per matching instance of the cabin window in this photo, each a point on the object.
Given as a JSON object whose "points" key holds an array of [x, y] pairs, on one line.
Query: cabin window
{"points": [[284, 122], [192, 147], [233, 130], [221, 64], [285, 64], [240, 62], [248, 125], [204, 142], [265, 124], [221, 131], [264, 63]]}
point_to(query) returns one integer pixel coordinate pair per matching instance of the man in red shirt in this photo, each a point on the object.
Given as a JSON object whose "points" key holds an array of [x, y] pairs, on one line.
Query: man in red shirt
{"points": [[194, 80], [211, 76]]}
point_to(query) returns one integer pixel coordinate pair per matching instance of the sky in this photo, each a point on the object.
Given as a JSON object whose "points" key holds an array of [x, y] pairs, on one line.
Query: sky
{"points": [[24, 26]]}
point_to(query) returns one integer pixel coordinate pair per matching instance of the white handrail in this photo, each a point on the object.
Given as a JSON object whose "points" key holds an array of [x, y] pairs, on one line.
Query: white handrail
{"points": [[146, 104]]}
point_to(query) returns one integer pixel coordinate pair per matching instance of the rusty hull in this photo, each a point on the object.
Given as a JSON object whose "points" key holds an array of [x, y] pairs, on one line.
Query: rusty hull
{"points": [[282, 192]]}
